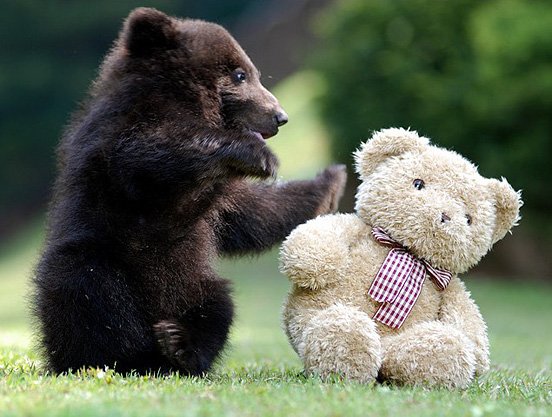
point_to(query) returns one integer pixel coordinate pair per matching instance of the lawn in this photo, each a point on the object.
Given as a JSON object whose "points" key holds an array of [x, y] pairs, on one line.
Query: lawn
{"points": [[260, 374]]}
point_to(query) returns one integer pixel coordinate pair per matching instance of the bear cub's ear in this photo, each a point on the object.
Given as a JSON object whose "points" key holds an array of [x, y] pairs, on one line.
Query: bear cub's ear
{"points": [[507, 204], [385, 144], [147, 31]]}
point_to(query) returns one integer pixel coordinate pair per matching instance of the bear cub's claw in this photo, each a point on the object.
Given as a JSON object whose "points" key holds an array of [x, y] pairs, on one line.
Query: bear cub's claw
{"points": [[335, 177], [268, 163], [175, 345], [254, 159]]}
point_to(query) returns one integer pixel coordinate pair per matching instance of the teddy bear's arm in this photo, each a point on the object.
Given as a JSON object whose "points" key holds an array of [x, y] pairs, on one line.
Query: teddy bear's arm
{"points": [[459, 310], [316, 253]]}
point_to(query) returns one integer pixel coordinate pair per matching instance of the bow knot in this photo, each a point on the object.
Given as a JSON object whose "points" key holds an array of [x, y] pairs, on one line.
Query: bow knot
{"points": [[399, 281]]}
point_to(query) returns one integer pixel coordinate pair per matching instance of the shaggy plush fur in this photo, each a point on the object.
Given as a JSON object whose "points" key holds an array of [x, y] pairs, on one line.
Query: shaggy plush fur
{"points": [[452, 222], [156, 179]]}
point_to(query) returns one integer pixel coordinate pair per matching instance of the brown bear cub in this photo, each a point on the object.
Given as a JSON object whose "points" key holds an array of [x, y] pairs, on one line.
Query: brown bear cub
{"points": [[156, 179]]}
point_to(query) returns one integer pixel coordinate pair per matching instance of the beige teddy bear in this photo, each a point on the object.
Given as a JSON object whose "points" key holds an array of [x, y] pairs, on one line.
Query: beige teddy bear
{"points": [[376, 293]]}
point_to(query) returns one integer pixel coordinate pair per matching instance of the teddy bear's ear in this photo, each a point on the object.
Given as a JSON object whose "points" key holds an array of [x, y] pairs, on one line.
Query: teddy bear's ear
{"points": [[147, 30], [385, 144], [507, 204]]}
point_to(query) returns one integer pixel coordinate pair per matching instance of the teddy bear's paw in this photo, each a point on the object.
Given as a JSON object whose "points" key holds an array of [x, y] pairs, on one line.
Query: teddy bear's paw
{"points": [[342, 340], [482, 361], [431, 354]]}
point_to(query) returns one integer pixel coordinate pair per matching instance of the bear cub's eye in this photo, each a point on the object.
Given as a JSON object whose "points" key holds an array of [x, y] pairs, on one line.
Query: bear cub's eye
{"points": [[418, 184], [468, 219], [239, 76]]}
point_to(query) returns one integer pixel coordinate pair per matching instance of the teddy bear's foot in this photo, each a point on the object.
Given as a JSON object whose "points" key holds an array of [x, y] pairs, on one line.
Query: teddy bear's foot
{"points": [[431, 354], [342, 340]]}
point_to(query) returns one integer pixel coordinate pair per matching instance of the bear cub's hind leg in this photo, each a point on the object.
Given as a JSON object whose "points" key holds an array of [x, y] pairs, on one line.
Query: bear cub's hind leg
{"points": [[192, 343], [173, 342]]}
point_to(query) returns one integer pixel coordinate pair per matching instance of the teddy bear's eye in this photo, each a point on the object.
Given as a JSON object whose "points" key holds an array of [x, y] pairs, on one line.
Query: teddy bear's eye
{"points": [[418, 184], [468, 219], [239, 76]]}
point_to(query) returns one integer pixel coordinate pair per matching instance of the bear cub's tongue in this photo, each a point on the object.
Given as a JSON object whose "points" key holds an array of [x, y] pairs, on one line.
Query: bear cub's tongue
{"points": [[258, 135]]}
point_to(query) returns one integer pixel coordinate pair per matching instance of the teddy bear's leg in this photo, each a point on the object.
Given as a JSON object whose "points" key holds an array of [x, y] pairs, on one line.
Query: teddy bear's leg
{"points": [[341, 340], [431, 354], [459, 310]]}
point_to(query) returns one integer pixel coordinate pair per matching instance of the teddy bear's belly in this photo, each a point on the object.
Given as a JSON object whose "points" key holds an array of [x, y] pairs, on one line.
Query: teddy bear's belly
{"points": [[352, 290]]}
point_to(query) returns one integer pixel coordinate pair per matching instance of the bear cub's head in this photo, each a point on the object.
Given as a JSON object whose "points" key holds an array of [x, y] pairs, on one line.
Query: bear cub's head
{"points": [[432, 200], [194, 68]]}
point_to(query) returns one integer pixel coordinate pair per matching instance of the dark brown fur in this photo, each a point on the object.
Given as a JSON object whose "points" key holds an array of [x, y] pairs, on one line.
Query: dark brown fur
{"points": [[152, 185]]}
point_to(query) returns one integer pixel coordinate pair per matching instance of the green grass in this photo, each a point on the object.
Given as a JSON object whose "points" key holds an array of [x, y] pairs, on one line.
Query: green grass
{"points": [[260, 375]]}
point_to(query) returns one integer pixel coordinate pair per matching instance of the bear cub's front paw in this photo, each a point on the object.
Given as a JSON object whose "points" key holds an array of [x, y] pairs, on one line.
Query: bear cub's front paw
{"points": [[335, 178], [267, 164], [252, 157]]}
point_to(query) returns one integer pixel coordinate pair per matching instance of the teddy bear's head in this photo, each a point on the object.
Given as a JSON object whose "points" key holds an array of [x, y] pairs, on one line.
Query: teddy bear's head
{"points": [[432, 200]]}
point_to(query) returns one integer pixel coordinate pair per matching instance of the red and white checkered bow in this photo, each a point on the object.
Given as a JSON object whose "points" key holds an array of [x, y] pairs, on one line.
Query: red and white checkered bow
{"points": [[399, 281]]}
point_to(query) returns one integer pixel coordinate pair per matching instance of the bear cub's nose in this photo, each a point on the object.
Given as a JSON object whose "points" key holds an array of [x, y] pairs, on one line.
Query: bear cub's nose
{"points": [[281, 118], [445, 217]]}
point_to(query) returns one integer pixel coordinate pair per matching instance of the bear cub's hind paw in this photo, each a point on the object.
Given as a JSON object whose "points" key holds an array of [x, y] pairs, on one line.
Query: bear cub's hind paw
{"points": [[175, 345]]}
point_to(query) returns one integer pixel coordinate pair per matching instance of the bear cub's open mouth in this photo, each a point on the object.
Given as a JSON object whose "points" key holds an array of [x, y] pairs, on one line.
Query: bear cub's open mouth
{"points": [[262, 135]]}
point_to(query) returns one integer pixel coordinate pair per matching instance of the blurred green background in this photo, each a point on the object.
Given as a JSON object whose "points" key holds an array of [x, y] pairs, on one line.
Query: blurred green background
{"points": [[473, 76]]}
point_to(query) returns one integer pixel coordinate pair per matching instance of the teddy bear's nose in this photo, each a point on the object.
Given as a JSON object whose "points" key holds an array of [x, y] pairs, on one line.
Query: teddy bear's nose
{"points": [[444, 217]]}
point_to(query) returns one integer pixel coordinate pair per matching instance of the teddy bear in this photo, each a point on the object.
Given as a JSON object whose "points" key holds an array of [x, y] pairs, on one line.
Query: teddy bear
{"points": [[375, 294]]}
